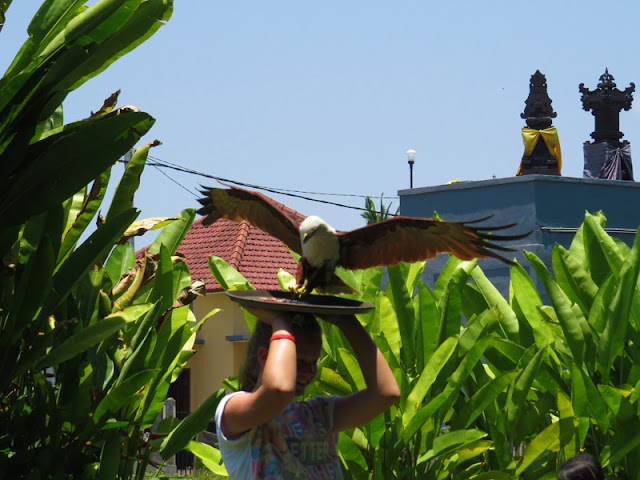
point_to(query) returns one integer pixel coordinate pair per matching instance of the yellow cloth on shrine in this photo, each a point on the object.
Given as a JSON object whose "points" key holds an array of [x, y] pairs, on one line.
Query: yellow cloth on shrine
{"points": [[550, 137]]}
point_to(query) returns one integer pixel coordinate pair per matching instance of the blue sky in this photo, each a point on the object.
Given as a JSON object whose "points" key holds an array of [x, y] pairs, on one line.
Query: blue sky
{"points": [[327, 96]]}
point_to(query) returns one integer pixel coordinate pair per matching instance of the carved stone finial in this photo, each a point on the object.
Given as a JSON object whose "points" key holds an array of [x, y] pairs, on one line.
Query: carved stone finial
{"points": [[605, 103], [538, 114], [607, 157], [607, 81], [538, 111]]}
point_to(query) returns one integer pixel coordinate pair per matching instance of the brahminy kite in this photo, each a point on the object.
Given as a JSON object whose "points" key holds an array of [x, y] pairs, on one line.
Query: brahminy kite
{"points": [[322, 249]]}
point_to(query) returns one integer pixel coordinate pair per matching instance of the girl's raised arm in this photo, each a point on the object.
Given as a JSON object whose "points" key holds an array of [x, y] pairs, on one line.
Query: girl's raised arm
{"points": [[382, 389], [275, 387]]}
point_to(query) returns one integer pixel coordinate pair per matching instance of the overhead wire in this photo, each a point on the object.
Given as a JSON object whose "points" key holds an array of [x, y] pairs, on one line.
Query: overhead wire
{"points": [[159, 163], [174, 180], [174, 166]]}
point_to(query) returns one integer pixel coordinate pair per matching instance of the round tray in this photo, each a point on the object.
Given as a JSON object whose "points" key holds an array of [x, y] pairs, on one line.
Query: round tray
{"points": [[317, 304]]}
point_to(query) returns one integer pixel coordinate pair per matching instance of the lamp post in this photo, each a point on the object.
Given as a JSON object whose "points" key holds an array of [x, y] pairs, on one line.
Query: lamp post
{"points": [[411, 155]]}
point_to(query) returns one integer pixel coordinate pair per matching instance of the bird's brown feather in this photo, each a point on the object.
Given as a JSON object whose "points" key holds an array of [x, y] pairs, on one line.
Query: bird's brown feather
{"points": [[259, 210], [409, 239]]}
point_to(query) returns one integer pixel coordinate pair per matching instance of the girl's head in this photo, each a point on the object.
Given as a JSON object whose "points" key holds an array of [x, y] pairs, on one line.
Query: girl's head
{"points": [[582, 467], [306, 330]]}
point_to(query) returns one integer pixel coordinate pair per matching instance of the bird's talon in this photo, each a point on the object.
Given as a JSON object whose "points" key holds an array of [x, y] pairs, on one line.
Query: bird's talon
{"points": [[298, 291]]}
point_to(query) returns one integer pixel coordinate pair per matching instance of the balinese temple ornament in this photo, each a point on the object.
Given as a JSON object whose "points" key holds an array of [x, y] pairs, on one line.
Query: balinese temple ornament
{"points": [[607, 157], [542, 155]]}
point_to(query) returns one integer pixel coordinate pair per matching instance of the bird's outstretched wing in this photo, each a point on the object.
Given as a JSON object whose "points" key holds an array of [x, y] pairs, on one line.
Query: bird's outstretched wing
{"points": [[409, 239], [262, 212]]}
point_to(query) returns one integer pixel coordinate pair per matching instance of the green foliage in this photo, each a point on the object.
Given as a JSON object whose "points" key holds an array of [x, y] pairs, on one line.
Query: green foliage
{"points": [[517, 389], [90, 338], [372, 215]]}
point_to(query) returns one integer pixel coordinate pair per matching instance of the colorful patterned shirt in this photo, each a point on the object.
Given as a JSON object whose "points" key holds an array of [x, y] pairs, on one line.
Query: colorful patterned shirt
{"points": [[296, 444]]}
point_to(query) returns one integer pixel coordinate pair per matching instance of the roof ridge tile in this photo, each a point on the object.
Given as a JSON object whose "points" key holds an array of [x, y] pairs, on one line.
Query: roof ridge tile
{"points": [[240, 244]]}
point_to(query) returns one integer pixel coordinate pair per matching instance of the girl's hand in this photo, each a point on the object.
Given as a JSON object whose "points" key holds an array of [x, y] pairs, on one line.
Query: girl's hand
{"points": [[263, 314], [382, 389], [339, 320]]}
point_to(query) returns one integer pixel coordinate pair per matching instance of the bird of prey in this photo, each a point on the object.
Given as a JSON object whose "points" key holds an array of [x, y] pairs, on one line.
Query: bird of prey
{"points": [[322, 249]]}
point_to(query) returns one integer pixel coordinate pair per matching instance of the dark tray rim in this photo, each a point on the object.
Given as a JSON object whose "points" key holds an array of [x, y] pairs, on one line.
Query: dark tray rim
{"points": [[316, 304]]}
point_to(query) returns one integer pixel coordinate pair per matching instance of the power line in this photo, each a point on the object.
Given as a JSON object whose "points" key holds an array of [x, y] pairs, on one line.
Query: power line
{"points": [[175, 181], [159, 163], [166, 164]]}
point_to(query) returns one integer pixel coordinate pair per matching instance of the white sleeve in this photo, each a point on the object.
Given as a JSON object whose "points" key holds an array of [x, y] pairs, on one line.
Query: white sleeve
{"points": [[236, 454]]}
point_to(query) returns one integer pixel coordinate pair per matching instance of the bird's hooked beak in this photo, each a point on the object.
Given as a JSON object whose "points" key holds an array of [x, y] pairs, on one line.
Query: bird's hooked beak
{"points": [[307, 236]]}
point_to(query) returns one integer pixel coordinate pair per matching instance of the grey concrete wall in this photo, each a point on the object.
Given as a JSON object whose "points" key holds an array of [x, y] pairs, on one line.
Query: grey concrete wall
{"points": [[551, 207]]}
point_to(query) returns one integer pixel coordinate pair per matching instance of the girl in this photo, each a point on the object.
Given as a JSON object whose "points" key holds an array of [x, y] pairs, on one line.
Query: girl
{"points": [[263, 433], [582, 467]]}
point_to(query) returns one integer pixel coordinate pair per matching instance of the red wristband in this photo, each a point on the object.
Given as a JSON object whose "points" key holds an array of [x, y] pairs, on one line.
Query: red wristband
{"points": [[282, 336]]}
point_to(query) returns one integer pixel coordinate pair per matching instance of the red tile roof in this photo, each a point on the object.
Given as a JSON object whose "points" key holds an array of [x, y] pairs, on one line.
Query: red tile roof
{"points": [[255, 254]]}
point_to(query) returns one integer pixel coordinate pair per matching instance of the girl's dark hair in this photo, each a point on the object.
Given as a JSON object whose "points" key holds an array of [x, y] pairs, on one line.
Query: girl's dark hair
{"points": [[581, 467], [250, 369]]}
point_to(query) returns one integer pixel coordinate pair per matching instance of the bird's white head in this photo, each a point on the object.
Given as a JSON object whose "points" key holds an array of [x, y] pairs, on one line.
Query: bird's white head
{"points": [[312, 225], [319, 239]]}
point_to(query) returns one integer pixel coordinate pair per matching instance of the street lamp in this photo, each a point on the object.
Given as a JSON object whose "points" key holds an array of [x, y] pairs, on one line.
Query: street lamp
{"points": [[411, 155]]}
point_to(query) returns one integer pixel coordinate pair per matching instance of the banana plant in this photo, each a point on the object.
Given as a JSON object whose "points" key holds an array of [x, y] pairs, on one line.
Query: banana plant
{"points": [[90, 347], [90, 336], [581, 349], [68, 44], [372, 215]]}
